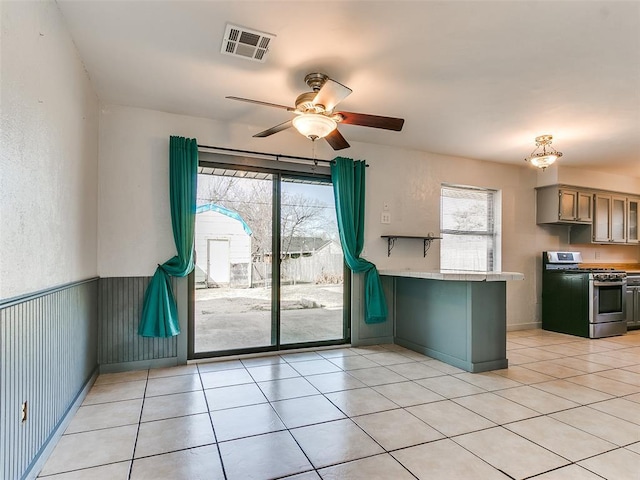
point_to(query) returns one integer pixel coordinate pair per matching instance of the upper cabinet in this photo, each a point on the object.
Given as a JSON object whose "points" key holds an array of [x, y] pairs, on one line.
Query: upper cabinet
{"points": [[558, 204], [602, 225], [585, 207], [633, 218], [610, 224], [595, 216], [618, 219]]}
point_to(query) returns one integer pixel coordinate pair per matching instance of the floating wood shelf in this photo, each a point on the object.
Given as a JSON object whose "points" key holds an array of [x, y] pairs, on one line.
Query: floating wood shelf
{"points": [[427, 239]]}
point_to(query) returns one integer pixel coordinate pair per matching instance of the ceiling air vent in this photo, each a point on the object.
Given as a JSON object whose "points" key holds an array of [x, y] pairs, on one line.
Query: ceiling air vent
{"points": [[246, 43]]}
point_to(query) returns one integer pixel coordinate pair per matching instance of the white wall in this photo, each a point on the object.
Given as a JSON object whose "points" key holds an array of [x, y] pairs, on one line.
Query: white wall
{"points": [[601, 180], [49, 150]]}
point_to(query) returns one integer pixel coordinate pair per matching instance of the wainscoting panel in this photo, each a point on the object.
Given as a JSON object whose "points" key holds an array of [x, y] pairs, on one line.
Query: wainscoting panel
{"points": [[121, 300], [48, 345]]}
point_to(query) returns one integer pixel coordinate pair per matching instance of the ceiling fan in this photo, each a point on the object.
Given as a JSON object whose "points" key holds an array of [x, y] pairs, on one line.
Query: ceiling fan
{"points": [[315, 116]]}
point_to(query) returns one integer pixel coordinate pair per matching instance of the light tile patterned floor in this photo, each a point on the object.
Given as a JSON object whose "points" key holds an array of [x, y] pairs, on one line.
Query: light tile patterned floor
{"points": [[567, 408]]}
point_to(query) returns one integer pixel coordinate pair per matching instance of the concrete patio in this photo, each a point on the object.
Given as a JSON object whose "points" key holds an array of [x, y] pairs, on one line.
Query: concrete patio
{"points": [[231, 318]]}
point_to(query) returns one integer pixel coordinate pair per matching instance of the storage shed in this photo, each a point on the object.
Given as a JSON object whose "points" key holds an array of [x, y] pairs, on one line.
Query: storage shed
{"points": [[223, 248]]}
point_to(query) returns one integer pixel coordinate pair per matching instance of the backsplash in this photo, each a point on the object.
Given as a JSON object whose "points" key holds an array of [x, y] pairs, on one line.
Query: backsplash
{"points": [[607, 253]]}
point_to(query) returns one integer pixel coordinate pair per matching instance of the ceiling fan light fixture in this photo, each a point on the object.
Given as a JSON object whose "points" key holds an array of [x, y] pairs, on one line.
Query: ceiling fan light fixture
{"points": [[547, 156], [314, 125]]}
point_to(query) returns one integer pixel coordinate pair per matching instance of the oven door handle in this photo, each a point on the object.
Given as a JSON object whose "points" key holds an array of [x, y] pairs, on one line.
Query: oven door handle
{"points": [[617, 283]]}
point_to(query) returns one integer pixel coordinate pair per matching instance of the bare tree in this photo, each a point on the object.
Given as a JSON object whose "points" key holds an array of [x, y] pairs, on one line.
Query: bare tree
{"points": [[472, 218], [301, 215], [256, 207], [217, 189]]}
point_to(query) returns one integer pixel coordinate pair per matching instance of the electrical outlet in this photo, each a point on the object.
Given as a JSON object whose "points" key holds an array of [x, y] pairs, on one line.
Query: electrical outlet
{"points": [[23, 412], [597, 255], [385, 218]]}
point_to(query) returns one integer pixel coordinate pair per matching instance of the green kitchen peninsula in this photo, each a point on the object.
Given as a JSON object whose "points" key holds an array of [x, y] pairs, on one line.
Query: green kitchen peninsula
{"points": [[457, 317]]}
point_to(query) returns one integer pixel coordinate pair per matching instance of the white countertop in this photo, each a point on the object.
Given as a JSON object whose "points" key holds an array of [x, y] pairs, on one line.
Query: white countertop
{"points": [[459, 275]]}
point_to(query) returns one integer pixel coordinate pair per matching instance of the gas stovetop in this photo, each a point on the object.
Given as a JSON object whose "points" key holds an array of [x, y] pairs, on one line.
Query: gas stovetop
{"points": [[593, 274], [570, 263]]}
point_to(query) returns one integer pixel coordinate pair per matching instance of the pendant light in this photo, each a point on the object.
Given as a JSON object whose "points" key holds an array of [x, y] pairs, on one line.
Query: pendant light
{"points": [[546, 156]]}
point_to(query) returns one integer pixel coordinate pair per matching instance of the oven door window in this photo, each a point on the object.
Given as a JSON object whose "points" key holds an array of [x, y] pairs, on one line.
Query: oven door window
{"points": [[610, 299]]}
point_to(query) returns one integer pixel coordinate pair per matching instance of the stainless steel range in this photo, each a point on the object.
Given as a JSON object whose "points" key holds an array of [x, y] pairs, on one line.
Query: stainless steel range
{"points": [[589, 302]]}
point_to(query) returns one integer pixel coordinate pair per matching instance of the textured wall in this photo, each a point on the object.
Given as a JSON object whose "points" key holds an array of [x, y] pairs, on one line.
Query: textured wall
{"points": [[605, 181], [48, 345], [48, 154]]}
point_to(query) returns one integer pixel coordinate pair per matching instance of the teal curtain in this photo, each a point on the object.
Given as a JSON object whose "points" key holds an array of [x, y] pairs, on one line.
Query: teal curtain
{"points": [[348, 189], [159, 311]]}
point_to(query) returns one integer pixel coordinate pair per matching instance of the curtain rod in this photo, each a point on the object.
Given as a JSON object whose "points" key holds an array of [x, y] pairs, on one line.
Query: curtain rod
{"points": [[277, 156]]}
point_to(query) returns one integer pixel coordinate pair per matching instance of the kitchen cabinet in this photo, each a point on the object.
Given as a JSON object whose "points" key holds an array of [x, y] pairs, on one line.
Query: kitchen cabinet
{"points": [[618, 219], [610, 219], [602, 218], [565, 205], [633, 218], [594, 216], [633, 307]]}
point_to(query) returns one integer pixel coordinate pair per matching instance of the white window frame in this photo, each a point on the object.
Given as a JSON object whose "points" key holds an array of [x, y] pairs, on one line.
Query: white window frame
{"points": [[493, 230]]}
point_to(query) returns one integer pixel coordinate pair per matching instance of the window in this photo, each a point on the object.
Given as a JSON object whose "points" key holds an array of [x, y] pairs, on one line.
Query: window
{"points": [[469, 228]]}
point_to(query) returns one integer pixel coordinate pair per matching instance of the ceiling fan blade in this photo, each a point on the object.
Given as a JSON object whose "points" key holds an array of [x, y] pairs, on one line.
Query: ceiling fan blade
{"points": [[375, 121], [266, 104], [276, 129], [331, 94], [336, 140]]}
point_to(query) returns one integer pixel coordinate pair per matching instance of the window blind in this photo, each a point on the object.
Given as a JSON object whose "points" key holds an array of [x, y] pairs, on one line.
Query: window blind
{"points": [[468, 228]]}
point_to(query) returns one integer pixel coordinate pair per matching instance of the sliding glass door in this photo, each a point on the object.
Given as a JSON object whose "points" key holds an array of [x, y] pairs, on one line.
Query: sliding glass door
{"points": [[269, 268], [312, 266]]}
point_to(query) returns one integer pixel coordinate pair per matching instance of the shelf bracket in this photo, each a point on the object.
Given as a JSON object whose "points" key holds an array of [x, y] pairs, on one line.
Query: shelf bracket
{"points": [[391, 241], [427, 245]]}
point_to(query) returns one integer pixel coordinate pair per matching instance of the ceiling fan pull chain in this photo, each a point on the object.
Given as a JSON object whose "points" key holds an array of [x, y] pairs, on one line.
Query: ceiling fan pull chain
{"points": [[313, 154]]}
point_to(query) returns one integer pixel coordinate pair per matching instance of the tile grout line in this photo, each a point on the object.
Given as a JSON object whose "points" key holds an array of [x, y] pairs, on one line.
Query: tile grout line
{"points": [[135, 443], [213, 428]]}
